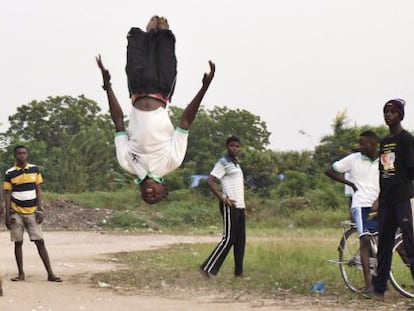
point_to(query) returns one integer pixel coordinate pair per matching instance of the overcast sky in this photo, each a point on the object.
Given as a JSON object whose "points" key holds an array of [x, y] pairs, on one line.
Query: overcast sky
{"points": [[295, 63]]}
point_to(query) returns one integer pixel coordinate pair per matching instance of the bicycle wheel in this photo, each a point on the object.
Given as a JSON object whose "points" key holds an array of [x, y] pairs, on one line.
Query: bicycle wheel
{"points": [[350, 261], [400, 274]]}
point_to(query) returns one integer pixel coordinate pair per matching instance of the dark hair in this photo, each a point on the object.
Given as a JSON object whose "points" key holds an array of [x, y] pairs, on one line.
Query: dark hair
{"points": [[232, 139], [370, 135], [20, 147]]}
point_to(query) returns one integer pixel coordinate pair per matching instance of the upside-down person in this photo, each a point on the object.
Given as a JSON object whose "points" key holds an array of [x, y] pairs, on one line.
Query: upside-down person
{"points": [[150, 147]]}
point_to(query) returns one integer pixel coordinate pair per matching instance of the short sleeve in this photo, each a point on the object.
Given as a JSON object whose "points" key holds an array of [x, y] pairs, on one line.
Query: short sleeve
{"points": [[7, 185], [345, 164], [218, 170], [39, 179]]}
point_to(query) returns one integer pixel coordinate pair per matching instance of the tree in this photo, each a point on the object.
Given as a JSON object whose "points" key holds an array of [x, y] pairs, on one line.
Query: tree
{"points": [[55, 118], [70, 139], [211, 128], [343, 140]]}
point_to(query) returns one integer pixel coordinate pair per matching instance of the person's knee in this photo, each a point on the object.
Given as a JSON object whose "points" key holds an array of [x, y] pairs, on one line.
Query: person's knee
{"points": [[18, 243], [365, 241], [39, 242]]}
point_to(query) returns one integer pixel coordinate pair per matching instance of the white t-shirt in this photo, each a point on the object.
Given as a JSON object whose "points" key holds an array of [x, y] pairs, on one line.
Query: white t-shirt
{"points": [[349, 192], [150, 145], [231, 177], [365, 175]]}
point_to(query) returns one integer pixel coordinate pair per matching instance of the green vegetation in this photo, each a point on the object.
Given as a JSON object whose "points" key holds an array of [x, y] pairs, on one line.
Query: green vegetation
{"points": [[286, 263], [71, 140], [190, 210], [269, 265]]}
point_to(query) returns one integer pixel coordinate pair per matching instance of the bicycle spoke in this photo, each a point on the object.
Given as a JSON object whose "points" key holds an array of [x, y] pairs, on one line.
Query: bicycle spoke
{"points": [[350, 261], [400, 275]]}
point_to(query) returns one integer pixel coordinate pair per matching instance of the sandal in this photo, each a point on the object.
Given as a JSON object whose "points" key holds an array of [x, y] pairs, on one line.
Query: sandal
{"points": [[54, 279]]}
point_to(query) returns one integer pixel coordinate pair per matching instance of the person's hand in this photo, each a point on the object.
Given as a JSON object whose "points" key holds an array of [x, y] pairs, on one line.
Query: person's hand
{"points": [[229, 202], [39, 217], [208, 77], [7, 222], [374, 207], [354, 187], [106, 76]]}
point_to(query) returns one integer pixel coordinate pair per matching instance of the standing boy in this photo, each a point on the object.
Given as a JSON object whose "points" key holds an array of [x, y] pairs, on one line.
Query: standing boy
{"points": [[24, 210], [363, 166], [232, 207], [395, 209]]}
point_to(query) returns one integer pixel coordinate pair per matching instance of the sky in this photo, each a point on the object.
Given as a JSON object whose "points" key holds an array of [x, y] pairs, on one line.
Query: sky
{"points": [[294, 63]]}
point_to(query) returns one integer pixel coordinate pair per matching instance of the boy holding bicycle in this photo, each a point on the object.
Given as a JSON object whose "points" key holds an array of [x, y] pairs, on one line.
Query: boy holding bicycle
{"points": [[363, 166], [395, 208]]}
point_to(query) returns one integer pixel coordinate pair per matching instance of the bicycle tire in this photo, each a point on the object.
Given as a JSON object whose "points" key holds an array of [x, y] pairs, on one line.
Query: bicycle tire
{"points": [[400, 274], [350, 261]]}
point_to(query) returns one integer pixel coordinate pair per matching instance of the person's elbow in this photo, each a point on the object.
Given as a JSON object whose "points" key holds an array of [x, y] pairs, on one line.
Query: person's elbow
{"points": [[329, 171], [211, 182]]}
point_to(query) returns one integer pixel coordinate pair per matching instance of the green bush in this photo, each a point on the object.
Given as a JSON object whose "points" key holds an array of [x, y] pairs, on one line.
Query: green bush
{"points": [[127, 220]]}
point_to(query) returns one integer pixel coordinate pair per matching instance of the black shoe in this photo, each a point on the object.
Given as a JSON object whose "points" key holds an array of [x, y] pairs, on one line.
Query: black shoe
{"points": [[372, 294]]}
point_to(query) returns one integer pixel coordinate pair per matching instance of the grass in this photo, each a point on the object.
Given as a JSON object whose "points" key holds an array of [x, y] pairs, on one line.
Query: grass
{"points": [[117, 200], [288, 246], [282, 265], [270, 264], [188, 211]]}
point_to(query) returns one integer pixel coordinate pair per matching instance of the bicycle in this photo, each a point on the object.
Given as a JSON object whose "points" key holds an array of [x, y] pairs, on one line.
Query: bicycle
{"points": [[351, 267]]}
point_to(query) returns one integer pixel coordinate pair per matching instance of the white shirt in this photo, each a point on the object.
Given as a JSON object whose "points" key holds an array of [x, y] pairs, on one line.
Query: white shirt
{"points": [[365, 175], [231, 178], [349, 192], [150, 145]]}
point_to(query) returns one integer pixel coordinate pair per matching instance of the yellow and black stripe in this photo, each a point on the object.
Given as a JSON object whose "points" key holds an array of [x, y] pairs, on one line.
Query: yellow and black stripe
{"points": [[22, 184]]}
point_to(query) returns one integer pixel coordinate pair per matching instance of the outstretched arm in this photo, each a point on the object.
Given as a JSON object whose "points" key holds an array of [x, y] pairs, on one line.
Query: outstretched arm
{"points": [[191, 110], [115, 109], [340, 178]]}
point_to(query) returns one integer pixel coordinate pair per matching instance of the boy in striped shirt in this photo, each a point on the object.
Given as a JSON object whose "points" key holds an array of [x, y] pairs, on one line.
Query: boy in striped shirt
{"points": [[24, 210]]}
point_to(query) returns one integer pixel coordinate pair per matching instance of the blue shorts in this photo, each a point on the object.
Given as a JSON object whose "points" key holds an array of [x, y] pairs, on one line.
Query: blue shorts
{"points": [[364, 225]]}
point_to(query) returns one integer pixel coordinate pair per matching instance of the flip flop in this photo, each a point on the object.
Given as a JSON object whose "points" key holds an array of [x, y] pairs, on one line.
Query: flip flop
{"points": [[17, 279], [54, 279]]}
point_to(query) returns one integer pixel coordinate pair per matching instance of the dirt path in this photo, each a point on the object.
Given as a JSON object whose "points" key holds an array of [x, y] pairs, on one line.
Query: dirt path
{"points": [[74, 253]]}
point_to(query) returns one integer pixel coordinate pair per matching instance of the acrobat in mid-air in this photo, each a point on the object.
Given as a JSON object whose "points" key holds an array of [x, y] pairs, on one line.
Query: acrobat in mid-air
{"points": [[150, 147]]}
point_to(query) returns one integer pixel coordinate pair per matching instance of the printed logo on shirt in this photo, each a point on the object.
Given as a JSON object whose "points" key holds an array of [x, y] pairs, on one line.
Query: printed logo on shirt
{"points": [[134, 157], [388, 160]]}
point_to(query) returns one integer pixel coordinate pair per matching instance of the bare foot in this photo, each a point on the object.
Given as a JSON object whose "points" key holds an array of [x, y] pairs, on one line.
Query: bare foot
{"points": [[153, 23], [163, 23]]}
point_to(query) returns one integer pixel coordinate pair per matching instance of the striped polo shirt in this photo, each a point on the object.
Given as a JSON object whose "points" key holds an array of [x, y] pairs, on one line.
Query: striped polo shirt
{"points": [[22, 184], [231, 177]]}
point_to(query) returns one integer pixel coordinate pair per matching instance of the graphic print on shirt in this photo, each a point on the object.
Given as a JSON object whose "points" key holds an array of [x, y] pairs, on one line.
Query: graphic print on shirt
{"points": [[388, 160], [134, 157]]}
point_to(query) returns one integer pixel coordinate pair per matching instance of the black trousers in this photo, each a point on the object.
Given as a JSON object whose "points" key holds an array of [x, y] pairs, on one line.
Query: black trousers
{"points": [[234, 234], [390, 217], [151, 62]]}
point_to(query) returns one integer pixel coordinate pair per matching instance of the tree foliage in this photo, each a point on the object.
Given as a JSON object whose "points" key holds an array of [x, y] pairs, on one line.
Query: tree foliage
{"points": [[70, 139], [211, 128], [342, 141], [72, 142]]}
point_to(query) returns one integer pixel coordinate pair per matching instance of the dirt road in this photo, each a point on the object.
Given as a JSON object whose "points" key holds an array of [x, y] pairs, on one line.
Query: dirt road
{"points": [[74, 253]]}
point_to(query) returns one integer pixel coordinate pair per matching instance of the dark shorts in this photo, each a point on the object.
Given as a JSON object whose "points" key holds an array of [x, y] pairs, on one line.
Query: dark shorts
{"points": [[151, 62]]}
